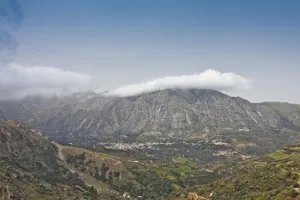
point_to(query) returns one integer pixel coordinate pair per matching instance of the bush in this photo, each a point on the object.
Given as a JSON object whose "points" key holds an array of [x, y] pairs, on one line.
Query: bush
{"points": [[293, 193]]}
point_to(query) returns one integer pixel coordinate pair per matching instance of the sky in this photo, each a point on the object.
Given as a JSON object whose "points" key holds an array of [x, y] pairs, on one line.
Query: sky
{"points": [[243, 48]]}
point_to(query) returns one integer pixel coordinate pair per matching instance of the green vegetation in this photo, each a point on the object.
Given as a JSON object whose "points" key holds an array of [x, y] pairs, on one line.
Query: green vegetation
{"points": [[171, 178], [262, 198], [177, 169], [187, 161], [103, 155], [279, 155], [175, 186]]}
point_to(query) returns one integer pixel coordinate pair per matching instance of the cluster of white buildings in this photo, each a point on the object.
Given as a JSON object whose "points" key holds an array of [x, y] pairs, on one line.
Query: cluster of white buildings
{"points": [[135, 145]]}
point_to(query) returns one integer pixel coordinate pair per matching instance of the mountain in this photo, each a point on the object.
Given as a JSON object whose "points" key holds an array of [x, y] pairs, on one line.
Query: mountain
{"points": [[274, 176], [163, 115]]}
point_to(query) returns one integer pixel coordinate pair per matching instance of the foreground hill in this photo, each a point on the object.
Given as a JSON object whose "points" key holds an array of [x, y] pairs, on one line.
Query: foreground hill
{"points": [[31, 169], [34, 167], [275, 176]]}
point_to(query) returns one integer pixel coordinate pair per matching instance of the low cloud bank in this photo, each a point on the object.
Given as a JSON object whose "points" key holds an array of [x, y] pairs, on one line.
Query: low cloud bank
{"points": [[17, 81], [209, 79]]}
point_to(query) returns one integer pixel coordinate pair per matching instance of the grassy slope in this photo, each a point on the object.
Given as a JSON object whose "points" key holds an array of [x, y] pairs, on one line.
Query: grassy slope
{"points": [[274, 176]]}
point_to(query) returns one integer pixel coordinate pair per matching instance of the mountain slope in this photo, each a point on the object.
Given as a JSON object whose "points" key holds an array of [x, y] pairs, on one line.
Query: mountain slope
{"points": [[171, 113]]}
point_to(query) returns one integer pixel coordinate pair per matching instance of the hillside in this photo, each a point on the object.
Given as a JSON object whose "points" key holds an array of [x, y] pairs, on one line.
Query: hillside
{"points": [[31, 169], [274, 176], [34, 167]]}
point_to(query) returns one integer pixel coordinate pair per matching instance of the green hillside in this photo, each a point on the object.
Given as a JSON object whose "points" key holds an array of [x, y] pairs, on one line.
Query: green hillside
{"points": [[272, 177]]}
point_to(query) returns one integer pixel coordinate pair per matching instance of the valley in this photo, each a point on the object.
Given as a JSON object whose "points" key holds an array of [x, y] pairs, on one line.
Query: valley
{"points": [[35, 167]]}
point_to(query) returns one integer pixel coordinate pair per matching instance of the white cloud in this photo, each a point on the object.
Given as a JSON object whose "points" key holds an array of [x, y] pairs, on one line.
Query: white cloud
{"points": [[18, 81], [209, 79]]}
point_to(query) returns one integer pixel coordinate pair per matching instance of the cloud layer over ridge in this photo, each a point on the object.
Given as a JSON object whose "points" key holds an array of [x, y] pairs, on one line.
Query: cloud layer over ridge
{"points": [[209, 79]]}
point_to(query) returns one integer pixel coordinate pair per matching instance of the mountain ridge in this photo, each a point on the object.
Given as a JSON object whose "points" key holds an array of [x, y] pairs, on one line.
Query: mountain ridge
{"points": [[174, 113]]}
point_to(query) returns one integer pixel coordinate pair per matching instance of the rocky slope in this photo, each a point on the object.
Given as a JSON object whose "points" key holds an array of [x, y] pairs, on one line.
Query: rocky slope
{"points": [[166, 114], [34, 167], [30, 168]]}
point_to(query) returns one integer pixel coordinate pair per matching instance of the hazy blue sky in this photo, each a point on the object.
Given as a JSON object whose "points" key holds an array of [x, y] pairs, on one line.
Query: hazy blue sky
{"points": [[120, 42]]}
